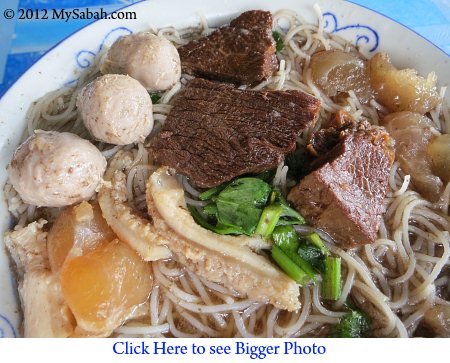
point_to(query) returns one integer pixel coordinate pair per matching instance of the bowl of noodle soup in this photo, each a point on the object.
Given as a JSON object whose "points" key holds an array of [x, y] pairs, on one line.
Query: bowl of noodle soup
{"points": [[397, 279]]}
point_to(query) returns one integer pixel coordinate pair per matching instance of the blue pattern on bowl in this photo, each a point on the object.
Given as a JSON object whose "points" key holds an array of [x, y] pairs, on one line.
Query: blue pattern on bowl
{"points": [[6, 328], [331, 25], [84, 57]]}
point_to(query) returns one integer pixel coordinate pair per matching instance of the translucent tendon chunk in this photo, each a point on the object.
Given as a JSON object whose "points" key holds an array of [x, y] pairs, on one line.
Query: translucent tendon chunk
{"points": [[81, 333], [104, 286], [439, 150], [336, 71], [412, 135], [60, 239], [77, 229], [402, 89]]}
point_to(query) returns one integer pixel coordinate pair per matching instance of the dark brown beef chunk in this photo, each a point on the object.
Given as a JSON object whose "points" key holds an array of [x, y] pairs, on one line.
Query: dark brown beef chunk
{"points": [[326, 138], [243, 52], [216, 132], [344, 195]]}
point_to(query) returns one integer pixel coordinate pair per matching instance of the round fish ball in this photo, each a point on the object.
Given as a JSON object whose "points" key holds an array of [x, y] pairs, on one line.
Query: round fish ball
{"points": [[151, 59], [53, 169], [116, 109]]}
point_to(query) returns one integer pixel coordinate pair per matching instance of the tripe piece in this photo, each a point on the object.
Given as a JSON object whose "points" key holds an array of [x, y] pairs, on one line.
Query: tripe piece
{"points": [[228, 260]]}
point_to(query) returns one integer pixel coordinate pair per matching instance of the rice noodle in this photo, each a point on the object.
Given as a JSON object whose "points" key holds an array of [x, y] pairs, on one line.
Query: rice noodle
{"points": [[133, 329]]}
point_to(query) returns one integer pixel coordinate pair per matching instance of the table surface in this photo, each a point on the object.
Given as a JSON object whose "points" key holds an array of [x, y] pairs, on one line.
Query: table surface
{"points": [[22, 42]]}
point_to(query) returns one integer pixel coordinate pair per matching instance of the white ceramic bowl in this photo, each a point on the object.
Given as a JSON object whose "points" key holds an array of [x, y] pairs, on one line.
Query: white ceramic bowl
{"points": [[60, 65]]}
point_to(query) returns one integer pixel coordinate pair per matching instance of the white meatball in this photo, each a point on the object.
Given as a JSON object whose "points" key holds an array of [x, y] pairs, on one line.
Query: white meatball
{"points": [[152, 60], [52, 169], [116, 109]]}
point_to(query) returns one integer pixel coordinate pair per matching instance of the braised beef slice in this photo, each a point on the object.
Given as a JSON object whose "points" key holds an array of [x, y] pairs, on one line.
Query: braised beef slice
{"points": [[216, 132], [243, 52], [344, 194]]}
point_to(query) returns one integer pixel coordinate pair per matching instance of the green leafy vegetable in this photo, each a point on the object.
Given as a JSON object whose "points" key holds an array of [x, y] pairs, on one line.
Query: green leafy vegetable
{"points": [[278, 40], [155, 98], [210, 210], [313, 255], [252, 191], [331, 283], [235, 206], [286, 238], [277, 197], [289, 267], [315, 240], [249, 206], [243, 217], [205, 224], [208, 194], [354, 324], [289, 212], [240, 204]]}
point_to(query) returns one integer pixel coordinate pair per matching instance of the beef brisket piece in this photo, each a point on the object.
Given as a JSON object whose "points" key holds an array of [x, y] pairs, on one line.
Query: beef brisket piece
{"points": [[344, 195], [216, 132], [243, 52]]}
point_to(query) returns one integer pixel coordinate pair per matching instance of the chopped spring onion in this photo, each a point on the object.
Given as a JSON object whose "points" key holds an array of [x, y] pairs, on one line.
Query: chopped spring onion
{"points": [[303, 264], [269, 219], [289, 267], [331, 283], [286, 238]]}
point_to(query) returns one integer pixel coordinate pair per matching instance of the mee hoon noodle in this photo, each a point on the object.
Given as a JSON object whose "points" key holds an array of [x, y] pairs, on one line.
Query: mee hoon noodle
{"points": [[395, 280]]}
